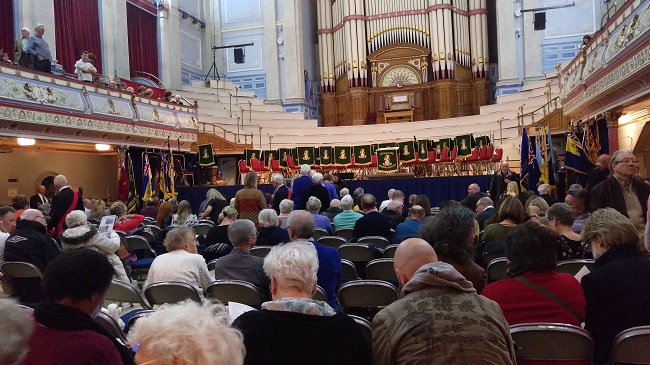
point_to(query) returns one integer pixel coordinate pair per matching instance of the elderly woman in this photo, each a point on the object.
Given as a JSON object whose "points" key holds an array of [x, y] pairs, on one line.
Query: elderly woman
{"points": [[125, 222], [249, 201], [20, 203], [313, 206], [316, 189], [269, 234], [16, 327], [569, 245], [537, 207], [531, 258], [181, 263], [451, 233], [214, 205], [292, 328], [184, 216], [82, 235], [286, 207], [173, 336], [618, 290]]}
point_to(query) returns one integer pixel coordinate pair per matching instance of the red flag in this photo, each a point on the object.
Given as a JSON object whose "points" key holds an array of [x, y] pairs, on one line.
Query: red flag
{"points": [[122, 180]]}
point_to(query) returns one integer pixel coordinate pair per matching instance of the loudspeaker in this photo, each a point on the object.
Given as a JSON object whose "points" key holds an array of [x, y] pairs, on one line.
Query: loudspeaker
{"points": [[540, 21], [239, 55]]}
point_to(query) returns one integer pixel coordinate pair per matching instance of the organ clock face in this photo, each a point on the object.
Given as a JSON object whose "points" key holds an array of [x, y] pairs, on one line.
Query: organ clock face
{"points": [[399, 76]]}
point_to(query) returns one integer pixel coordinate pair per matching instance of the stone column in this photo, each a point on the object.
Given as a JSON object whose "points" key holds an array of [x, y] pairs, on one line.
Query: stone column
{"points": [[506, 44], [532, 46], [612, 130], [114, 38], [33, 12], [271, 54], [169, 45], [212, 36], [294, 63]]}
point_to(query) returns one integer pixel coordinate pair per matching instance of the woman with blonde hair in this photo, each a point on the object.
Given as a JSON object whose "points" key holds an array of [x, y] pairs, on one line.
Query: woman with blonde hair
{"points": [[512, 189], [215, 204], [217, 238], [536, 208], [99, 211], [184, 216], [249, 201]]}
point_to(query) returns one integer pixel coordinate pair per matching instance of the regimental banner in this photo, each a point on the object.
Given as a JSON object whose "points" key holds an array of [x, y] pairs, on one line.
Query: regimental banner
{"points": [[482, 141], [407, 151], [423, 151], [206, 155], [256, 154], [306, 155], [326, 155], [342, 155], [363, 155], [446, 143], [283, 153], [267, 156], [465, 144], [387, 160], [387, 145]]}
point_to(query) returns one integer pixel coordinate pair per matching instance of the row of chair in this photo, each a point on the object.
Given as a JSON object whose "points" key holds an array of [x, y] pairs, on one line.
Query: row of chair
{"points": [[497, 268]]}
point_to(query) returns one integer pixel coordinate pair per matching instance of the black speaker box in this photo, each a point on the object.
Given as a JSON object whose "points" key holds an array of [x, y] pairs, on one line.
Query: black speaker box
{"points": [[239, 55], [540, 21]]}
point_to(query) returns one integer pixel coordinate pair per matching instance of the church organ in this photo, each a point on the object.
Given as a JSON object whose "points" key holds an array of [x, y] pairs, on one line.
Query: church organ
{"points": [[371, 50]]}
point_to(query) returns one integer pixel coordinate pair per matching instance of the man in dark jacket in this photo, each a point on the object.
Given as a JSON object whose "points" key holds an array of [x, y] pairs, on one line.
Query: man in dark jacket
{"points": [[281, 192], [394, 213], [474, 193], [598, 173], [65, 201], [318, 190], [500, 180], [299, 186], [372, 223]]}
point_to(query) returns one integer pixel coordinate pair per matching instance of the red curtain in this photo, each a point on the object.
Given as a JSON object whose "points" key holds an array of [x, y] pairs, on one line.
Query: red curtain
{"points": [[7, 27], [143, 40], [77, 30]]}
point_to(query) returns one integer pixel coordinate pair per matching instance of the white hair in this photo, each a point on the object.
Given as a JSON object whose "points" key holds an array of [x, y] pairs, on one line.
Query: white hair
{"points": [[544, 188], [240, 230], [293, 264], [390, 193], [195, 333], [277, 178], [24, 29], [178, 237], [344, 192], [76, 218], [214, 194], [286, 206], [60, 181], [268, 218], [317, 178], [347, 203], [39, 25], [394, 205], [304, 169], [313, 204], [16, 328], [335, 203]]}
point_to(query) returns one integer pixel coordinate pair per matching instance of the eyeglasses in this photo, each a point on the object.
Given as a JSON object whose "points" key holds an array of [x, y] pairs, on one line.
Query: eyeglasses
{"points": [[627, 161]]}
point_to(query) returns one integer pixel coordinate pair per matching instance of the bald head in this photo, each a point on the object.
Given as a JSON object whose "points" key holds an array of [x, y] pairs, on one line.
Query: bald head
{"points": [[33, 215], [473, 188], [410, 255]]}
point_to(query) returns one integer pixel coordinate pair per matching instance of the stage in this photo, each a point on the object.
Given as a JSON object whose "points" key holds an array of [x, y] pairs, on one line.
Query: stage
{"points": [[436, 188]]}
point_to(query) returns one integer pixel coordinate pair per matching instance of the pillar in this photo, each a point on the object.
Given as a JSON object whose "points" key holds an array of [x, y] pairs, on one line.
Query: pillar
{"points": [[532, 46], [359, 105], [114, 38], [169, 44], [612, 130], [329, 109], [294, 64], [33, 12], [506, 44], [212, 36], [271, 54]]}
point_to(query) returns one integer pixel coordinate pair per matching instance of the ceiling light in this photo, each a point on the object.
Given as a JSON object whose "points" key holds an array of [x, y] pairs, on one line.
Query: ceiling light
{"points": [[102, 147], [26, 141]]}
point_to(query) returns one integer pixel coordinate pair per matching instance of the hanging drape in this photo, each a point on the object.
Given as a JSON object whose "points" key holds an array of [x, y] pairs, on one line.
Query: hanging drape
{"points": [[143, 40], [7, 34], [77, 30]]}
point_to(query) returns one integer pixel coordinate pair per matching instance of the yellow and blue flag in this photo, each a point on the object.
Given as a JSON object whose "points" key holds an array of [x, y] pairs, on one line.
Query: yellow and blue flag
{"points": [[576, 160], [147, 180]]}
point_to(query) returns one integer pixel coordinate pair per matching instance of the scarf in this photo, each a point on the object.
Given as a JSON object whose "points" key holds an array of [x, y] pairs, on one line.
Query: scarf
{"points": [[438, 274], [299, 305], [64, 318]]}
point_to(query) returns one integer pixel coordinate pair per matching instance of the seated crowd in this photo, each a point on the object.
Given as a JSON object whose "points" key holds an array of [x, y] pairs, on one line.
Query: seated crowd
{"points": [[448, 311]]}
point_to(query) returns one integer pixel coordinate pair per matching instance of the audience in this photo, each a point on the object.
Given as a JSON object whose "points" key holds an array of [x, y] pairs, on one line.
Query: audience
{"points": [[531, 264], [358, 194], [214, 206], [569, 245], [99, 211], [301, 229], [150, 210], [125, 222], [286, 206], [440, 318], [537, 207], [181, 263], [484, 211], [84, 70], [172, 335], [394, 212], [578, 200], [7, 227], [423, 201], [333, 210], [512, 189], [250, 200], [20, 204], [82, 235], [16, 327], [340, 185], [500, 180], [21, 51], [38, 198], [299, 186], [177, 100], [474, 193], [40, 50], [281, 192], [509, 215], [75, 285], [599, 173], [372, 223], [544, 191], [317, 190], [451, 234], [269, 233], [331, 189], [411, 227], [166, 212], [294, 329], [322, 222], [219, 233], [347, 218], [184, 216], [618, 290], [384, 203], [240, 264], [65, 200]]}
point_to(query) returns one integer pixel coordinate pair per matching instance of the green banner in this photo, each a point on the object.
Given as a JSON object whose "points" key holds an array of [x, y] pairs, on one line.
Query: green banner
{"points": [[446, 143], [306, 155], [206, 155], [465, 144], [483, 141], [326, 155], [423, 150], [342, 155], [268, 155], [387, 160], [363, 155], [407, 151], [283, 153], [252, 154], [387, 145]]}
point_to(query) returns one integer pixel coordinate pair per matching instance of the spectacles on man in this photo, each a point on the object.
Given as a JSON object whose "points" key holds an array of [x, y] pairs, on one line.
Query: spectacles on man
{"points": [[634, 161]]}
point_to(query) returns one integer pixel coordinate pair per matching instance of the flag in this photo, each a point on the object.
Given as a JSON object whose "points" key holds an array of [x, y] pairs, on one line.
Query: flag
{"points": [[162, 176], [206, 155], [576, 161], [147, 180], [407, 151], [326, 154], [592, 142], [423, 151], [529, 168], [342, 155], [387, 159], [362, 155], [306, 155], [465, 144], [171, 175], [283, 153], [552, 162], [122, 178], [132, 201]]}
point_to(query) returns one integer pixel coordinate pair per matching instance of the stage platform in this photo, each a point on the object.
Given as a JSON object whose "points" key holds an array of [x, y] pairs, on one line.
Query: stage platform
{"points": [[436, 188]]}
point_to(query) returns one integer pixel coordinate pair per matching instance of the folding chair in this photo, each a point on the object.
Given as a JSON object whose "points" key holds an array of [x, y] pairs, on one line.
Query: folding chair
{"points": [[153, 227], [141, 267], [551, 342], [348, 270], [122, 292], [135, 317], [234, 291], [261, 251], [170, 292], [345, 233], [201, 229], [320, 294], [573, 266], [24, 280], [211, 264], [382, 269], [366, 293], [148, 235], [389, 251], [356, 252], [365, 326], [206, 221], [491, 256], [332, 241], [377, 241], [111, 326], [632, 346], [318, 233], [496, 270]]}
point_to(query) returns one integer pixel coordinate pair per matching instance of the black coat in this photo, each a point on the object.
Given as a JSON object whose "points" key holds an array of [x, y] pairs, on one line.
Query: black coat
{"points": [[35, 201], [609, 194], [484, 216], [372, 224], [393, 218], [550, 200], [471, 200], [498, 184], [279, 196], [618, 296], [60, 204], [320, 192]]}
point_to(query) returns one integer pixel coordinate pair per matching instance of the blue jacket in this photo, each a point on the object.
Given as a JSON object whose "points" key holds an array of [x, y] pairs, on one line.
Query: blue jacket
{"points": [[406, 229], [329, 271], [298, 188]]}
